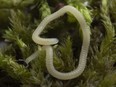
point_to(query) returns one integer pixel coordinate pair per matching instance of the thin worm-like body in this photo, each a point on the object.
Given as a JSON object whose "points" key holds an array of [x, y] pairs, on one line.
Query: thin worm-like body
{"points": [[61, 75], [30, 58], [46, 42]]}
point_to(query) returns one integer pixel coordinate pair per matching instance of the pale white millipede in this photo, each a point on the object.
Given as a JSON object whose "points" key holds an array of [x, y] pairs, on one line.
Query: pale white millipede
{"points": [[46, 42]]}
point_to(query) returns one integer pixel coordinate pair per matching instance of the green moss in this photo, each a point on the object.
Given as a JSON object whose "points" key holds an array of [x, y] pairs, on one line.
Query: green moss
{"points": [[23, 19]]}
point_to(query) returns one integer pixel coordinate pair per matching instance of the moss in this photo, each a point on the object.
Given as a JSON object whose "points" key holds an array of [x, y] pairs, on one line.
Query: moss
{"points": [[21, 19]]}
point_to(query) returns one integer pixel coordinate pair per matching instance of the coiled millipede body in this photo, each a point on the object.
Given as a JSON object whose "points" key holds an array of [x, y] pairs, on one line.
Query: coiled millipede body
{"points": [[47, 42]]}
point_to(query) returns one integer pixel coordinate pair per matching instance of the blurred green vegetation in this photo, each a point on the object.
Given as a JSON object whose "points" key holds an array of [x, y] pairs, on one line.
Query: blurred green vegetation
{"points": [[18, 20]]}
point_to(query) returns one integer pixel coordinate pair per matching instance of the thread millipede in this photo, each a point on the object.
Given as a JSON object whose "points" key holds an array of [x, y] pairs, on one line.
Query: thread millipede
{"points": [[47, 42]]}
